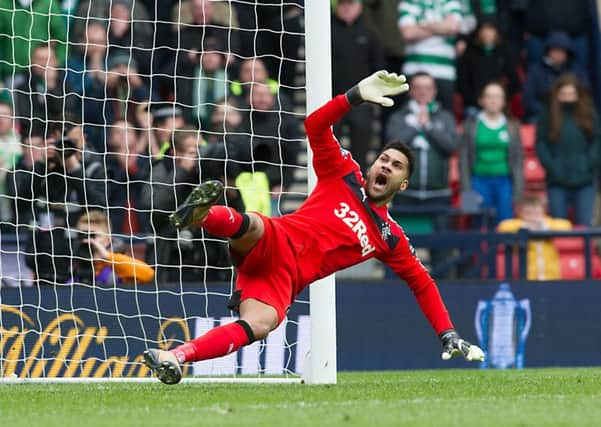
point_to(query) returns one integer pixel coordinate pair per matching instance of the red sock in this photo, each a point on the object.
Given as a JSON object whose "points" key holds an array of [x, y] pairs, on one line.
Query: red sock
{"points": [[215, 343], [224, 222]]}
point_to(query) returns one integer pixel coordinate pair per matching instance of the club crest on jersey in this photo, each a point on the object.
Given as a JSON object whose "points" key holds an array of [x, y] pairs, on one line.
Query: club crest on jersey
{"points": [[385, 232]]}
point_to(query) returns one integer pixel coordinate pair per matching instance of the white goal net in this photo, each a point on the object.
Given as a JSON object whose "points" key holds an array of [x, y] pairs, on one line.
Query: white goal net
{"points": [[111, 112]]}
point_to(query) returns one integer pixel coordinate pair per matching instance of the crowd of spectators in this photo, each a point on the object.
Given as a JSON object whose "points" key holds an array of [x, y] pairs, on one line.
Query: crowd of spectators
{"points": [[123, 106], [479, 71]]}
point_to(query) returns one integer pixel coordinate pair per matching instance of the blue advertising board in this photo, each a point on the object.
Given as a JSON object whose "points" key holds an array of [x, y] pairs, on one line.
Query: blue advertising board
{"points": [[545, 324], [85, 331]]}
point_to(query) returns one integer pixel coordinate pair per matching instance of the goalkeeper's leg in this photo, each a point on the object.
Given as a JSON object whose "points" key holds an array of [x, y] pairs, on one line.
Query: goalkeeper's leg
{"points": [[199, 209], [257, 319]]}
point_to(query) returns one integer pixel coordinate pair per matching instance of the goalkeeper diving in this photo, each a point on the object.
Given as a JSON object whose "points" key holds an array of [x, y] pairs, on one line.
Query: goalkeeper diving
{"points": [[343, 222]]}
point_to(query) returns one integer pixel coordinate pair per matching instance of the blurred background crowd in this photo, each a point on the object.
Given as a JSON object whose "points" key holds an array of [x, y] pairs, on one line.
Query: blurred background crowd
{"points": [[124, 106]]}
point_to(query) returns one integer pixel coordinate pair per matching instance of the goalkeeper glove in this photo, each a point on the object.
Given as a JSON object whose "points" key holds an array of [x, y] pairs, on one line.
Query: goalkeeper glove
{"points": [[453, 345], [377, 87]]}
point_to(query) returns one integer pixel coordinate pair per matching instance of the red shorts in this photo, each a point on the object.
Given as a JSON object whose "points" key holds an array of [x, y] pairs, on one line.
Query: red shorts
{"points": [[267, 273]]}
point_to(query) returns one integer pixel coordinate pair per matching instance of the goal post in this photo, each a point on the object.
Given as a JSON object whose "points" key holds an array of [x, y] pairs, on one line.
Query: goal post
{"points": [[64, 325], [320, 366]]}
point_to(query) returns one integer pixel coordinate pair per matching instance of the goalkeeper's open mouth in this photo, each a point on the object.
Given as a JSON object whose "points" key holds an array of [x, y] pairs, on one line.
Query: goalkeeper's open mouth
{"points": [[380, 182]]}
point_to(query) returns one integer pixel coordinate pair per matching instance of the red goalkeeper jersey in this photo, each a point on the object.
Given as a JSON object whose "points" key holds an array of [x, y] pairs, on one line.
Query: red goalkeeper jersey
{"points": [[337, 226]]}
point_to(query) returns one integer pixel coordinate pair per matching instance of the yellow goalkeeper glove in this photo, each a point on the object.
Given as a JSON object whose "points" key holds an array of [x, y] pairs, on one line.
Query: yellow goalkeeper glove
{"points": [[377, 87], [453, 345]]}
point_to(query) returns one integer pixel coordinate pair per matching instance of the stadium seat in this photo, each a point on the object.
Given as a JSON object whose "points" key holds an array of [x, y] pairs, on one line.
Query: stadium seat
{"points": [[454, 171], [571, 258], [596, 267], [454, 182], [572, 244], [528, 136], [516, 106], [458, 107], [571, 253], [572, 266], [534, 174], [501, 265], [566, 245]]}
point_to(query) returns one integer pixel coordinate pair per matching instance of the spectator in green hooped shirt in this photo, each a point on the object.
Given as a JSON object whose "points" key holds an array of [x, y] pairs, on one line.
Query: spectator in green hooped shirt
{"points": [[23, 25]]}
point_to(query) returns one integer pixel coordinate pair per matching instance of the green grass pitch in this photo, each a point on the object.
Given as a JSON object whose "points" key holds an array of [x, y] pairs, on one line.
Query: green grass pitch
{"points": [[545, 397]]}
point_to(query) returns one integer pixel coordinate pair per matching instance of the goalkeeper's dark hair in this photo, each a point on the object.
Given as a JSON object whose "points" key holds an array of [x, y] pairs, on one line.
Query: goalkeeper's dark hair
{"points": [[396, 144]]}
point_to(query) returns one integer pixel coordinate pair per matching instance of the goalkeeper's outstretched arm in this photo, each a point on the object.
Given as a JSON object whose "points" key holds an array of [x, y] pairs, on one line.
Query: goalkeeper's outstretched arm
{"points": [[404, 262], [327, 154]]}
